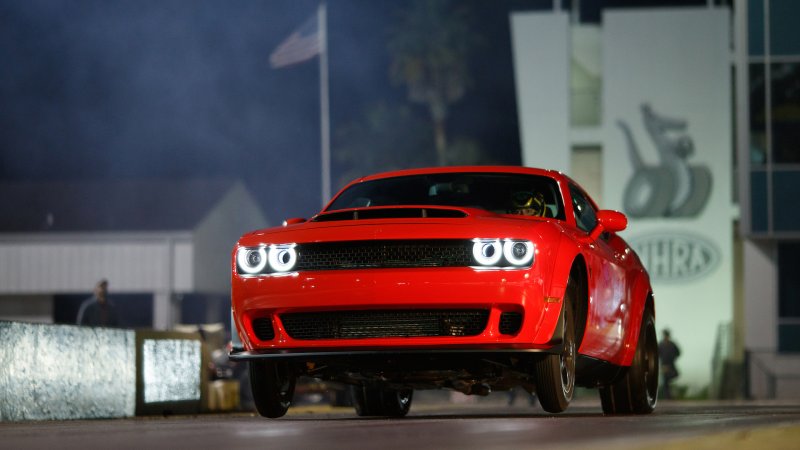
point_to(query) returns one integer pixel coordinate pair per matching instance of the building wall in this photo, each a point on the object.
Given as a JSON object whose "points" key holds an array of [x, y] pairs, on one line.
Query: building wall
{"points": [[72, 263], [541, 66], [27, 308], [639, 60], [214, 238], [768, 63]]}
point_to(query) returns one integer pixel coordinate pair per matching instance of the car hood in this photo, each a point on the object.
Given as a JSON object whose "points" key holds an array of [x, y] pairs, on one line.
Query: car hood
{"points": [[405, 223]]}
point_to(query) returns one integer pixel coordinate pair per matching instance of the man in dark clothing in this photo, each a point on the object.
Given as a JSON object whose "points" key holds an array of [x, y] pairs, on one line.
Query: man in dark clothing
{"points": [[98, 310], [668, 352]]}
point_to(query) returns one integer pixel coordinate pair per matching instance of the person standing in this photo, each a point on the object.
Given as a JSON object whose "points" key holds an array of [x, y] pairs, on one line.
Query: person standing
{"points": [[98, 310], [668, 352]]}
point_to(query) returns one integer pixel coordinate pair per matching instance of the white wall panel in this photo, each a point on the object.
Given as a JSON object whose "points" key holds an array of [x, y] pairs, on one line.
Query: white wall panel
{"points": [[75, 265], [541, 69], [667, 164], [183, 270]]}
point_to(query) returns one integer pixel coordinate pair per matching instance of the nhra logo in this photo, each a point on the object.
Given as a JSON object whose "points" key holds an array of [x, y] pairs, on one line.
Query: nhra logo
{"points": [[673, 187], [675, 257]]}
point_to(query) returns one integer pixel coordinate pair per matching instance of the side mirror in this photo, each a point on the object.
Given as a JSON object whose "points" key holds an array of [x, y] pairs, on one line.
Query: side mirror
{"points": [[293, 221], [609, 220]]}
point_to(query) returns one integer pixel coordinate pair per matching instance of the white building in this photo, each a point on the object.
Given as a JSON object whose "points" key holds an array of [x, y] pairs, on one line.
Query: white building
{"points": [[159, 243], [718, 86]]}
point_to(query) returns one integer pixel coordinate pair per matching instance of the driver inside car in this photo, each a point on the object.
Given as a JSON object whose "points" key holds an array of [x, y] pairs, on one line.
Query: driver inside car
{"points": [[528, 204]]}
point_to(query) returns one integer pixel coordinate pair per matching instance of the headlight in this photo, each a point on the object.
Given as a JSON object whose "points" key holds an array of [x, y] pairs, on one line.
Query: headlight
{"points": [[251, 260], [277, 258], [506, 253], [487, 251], [282, 258], [518, 253]]}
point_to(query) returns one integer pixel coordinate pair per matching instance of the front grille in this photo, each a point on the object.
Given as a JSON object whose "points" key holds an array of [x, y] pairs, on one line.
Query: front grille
{"points": [[510, 322], [384, 254], [263, 329], [385, 323]]}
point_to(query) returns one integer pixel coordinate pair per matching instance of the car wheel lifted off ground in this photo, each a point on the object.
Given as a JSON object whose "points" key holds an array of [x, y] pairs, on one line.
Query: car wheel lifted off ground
{"points": [[273, 387], [373, 401], [555, 374], [637, 391]]}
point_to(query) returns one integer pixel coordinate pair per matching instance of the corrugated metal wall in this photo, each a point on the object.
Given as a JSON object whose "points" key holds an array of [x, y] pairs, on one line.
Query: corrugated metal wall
{"points": [[74, 265]]}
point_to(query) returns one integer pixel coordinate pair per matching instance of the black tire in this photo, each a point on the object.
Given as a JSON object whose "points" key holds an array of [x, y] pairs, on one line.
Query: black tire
{"points": [[637, 391], [373, 401], [273, 387], [555, 374]]}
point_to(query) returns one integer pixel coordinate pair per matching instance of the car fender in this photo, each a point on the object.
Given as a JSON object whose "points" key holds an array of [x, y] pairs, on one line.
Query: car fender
{"points": [[639, 293], [566, 252]]}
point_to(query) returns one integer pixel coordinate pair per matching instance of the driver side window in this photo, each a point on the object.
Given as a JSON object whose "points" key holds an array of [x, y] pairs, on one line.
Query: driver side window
{"points": [[585, 215]]}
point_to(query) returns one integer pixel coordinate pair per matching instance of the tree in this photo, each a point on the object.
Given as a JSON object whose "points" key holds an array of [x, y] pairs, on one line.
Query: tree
{"points": [[429, 51], [385, 137]]}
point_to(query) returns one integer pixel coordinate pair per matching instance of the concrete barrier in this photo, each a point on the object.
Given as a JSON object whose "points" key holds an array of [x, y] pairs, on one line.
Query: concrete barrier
{"points": [[57, 372], [66, 372]]}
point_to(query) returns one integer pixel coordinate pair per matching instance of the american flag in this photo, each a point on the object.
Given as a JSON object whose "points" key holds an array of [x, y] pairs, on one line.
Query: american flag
{"points": [[302, 45]]}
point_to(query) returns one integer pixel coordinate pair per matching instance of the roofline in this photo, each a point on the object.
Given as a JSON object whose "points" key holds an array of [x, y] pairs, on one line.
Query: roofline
{"points": [[99, 236], [454, 169], [558, 176]]}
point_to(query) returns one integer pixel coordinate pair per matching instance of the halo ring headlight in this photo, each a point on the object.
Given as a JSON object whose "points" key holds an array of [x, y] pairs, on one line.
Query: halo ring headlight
{"points": [[282, 258], [487, 252], [251, 260], [518, 253]]}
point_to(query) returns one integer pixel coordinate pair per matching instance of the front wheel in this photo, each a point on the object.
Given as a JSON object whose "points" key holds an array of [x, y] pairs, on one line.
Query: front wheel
{"points": [[555, 374], [637, 391], [273, 387], [374, 401]]}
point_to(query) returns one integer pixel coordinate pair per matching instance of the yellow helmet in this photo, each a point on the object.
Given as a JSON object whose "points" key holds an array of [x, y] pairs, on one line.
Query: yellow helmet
{"points": [[529, 203]]}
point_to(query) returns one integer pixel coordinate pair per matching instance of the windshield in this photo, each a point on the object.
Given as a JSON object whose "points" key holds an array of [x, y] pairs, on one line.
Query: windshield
{"points": [[530, 195]]}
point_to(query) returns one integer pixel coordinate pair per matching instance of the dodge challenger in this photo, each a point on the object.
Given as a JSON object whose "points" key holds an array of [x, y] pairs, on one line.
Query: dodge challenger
{"points": [[473, 279]]}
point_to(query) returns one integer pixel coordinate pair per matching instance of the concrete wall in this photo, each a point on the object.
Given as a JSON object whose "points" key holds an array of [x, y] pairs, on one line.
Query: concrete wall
{"points": [[760, 296]]}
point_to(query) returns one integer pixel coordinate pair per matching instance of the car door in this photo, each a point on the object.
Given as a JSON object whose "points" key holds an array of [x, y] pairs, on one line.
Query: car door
{"points": [[608, 313]]}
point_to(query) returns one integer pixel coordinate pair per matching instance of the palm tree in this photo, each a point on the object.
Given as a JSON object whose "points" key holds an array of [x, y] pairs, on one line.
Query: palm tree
{"points": [[429, 51]]}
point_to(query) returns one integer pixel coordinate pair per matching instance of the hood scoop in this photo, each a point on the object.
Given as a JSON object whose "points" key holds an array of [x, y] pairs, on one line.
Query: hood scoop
{"points": [[390, 213]]}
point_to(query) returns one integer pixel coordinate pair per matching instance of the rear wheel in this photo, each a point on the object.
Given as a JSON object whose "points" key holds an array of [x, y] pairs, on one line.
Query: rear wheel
{"points": [[555, 374], [273, 387], [637, 391], [373, 401]]}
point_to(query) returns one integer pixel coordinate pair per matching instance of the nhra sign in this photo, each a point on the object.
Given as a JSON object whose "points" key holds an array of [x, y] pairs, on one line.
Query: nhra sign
{"points": [[675, 257], [667, 165]]}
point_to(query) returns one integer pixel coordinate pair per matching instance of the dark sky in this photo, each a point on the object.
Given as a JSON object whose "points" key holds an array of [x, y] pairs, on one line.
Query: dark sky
{"points": [[176, 89]]}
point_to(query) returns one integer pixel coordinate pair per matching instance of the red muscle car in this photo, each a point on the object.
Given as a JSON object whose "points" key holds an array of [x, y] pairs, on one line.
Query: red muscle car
{"points": [[472, 279]]}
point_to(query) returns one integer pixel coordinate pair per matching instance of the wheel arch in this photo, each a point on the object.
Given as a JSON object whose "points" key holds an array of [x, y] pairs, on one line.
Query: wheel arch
{"points": [[581, 314], [643, 301], [570, 262]]}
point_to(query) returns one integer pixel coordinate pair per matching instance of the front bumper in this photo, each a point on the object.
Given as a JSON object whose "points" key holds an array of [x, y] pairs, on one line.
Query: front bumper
{"points": [[495, 290]]}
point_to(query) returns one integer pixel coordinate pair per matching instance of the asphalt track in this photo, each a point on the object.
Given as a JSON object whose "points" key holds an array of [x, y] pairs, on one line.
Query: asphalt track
{"points": [[488, 424]]}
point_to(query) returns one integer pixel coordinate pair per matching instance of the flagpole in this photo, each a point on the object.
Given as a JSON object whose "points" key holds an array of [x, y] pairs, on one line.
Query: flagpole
{"points": [[324, 105]]}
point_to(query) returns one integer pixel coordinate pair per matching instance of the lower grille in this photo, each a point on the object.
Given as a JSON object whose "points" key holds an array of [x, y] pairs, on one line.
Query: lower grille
{"points": [[510, 322], [263, 329], [385, 323]]}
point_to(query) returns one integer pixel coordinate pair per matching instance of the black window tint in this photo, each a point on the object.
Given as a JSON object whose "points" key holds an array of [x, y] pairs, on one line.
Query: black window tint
{"points": [[495, 192]]}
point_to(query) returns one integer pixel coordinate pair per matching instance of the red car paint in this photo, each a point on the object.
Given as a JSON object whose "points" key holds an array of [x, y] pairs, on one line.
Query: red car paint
{"points": [[465, 278], [618, 284]]}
